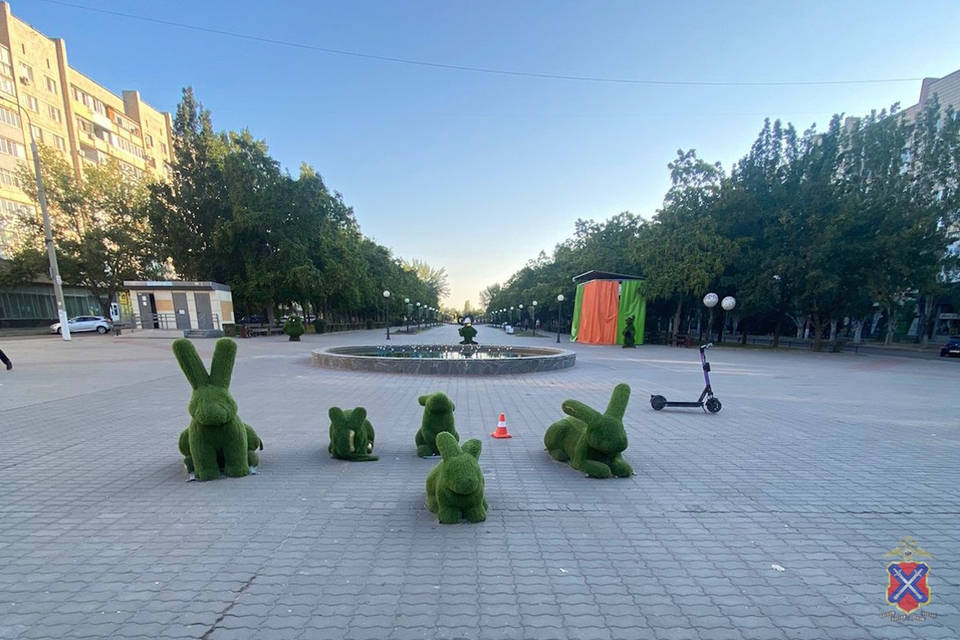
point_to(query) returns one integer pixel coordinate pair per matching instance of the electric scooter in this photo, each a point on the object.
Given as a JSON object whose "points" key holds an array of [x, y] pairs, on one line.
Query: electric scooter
{"points": [[712, 404]]}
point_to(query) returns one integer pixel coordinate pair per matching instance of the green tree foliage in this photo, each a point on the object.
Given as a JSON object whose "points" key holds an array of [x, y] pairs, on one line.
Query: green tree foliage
{"points": [[229, 213], [99, 228], [816, 228]]}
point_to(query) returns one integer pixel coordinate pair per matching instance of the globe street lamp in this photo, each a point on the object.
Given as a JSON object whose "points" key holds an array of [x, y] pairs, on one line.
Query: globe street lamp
{"points": [[533, 318], [418, 317], [559, 306], [406, 303], [727, 304], [511, 314], [386, 310]]}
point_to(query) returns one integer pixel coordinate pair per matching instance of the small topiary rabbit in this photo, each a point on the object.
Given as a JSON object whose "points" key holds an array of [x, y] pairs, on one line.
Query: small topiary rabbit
{"points": [[216, 440], [437, 418], [592, 442], [351, 435], [455, 486]]}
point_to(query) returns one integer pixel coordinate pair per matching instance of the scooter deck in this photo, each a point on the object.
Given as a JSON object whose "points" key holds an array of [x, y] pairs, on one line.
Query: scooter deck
{"points": [[683, 404]]}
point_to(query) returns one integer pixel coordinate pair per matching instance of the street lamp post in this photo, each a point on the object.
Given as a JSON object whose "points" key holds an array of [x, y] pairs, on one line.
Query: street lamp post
{"points": [[520, 314], [559, 306], [406, 302], [533, 318], [511, 315], [386, 310], [47, 230], [710, 301], [418, 317]]}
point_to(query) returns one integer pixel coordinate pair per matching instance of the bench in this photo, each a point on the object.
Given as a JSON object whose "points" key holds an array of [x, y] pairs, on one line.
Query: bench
{"points": [[253, 330]]}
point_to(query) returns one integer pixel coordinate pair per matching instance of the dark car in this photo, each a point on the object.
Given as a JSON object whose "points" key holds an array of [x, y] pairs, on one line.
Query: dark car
{"points": [[952, 348]]}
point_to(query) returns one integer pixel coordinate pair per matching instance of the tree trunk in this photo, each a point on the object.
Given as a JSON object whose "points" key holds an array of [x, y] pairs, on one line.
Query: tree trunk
{"points": [[891, 323], [776, 332], [833, 329], [857, 331], [818, 331], [676, 320]]}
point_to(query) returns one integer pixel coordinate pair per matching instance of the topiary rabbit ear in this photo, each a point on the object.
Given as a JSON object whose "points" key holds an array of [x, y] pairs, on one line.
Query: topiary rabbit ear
{"points": [[336, 415], [423, 400], [580, 411], [447, 445], [618, 401], [358, 415], [190, 362], [473, 447], [221, 369]]}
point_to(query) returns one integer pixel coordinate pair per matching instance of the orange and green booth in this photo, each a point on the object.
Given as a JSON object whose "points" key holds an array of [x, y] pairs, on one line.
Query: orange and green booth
{"points": [[602, 305]]}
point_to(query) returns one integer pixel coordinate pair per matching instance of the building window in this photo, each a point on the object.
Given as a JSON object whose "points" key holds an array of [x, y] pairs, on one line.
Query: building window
{"points": [[6, 85], [149, 140], [11, 148], [33, 104], [26, 71], [163, 148], [89, 101], [51, 85], [60, 143], [54, 113], [8, 177], [85, 125], [127, 146], [37, 133], [5, 67], [10, 117], [15, 208]]}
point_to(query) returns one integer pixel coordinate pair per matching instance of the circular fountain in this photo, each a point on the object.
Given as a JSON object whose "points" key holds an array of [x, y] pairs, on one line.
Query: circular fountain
{"points": [[445, 359]]}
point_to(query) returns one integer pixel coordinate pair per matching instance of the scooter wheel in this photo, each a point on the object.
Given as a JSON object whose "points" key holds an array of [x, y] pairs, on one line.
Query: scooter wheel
{"points": [[713, 405], [658, 402]]}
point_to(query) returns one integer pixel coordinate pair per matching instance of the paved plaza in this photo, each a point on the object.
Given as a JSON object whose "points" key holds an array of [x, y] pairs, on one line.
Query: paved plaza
{"points": [[769, 520]]}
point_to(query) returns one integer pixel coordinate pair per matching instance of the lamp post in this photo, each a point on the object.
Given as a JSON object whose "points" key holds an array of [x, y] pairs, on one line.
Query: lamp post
{"points": [[533, 317], [418, 316], [47, 230], [386, 310], [727, 304], [559, 307], [511, 315], [406, 302], [710, 301]]}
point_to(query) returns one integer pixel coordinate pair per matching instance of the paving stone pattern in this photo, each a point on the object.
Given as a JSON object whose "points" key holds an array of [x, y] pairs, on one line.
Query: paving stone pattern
{"points": [[819, 463]]}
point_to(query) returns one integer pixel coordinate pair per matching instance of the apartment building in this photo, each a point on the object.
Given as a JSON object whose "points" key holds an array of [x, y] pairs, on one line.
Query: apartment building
{"points": [[43, 96]]}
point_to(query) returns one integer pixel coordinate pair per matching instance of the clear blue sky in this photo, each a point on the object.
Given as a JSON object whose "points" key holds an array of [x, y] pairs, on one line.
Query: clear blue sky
{"points": [[478, 173]]}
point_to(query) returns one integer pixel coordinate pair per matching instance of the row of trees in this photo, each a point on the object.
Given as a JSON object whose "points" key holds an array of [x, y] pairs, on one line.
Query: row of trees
{"points": [[820, 228], [228, 213]]}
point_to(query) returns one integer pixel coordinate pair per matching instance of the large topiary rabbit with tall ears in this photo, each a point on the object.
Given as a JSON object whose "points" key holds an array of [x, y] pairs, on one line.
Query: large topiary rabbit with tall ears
{"points": [[437, 418], [592, 441], [216, 440], [455, 486], [351, 435]]}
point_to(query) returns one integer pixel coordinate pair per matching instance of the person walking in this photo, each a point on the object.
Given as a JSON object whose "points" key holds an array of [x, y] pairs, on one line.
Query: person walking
{"points": [[5, 360]]}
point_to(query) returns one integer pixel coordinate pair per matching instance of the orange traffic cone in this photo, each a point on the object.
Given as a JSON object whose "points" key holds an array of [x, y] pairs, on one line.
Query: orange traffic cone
{"points": [[501, 431]]}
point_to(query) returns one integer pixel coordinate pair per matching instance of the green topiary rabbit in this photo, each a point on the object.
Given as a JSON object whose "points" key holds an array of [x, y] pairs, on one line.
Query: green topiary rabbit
{"points": [[351, 435], [216, 440], [467, 332], [294, 328], [437, 417], [592, 442], [455, 486]]}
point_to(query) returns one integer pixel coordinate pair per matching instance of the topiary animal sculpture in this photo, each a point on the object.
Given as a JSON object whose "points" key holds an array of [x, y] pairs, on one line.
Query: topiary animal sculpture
{"points": [[629, 335], [294, 328], [468, 333], [437, 418], [217, 439], [351, 435], [455, 486], [591, 441]]}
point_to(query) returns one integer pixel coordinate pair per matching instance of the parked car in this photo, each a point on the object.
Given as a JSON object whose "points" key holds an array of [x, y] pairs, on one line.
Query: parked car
{"points": [[84, 323], [952, 348]]}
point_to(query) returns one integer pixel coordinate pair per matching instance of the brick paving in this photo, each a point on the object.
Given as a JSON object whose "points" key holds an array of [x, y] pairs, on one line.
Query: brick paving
{"points": [[818, 463]]}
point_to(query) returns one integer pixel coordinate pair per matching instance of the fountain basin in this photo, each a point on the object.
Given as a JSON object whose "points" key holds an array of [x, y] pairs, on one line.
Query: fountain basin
{"points": [[445, 359]]}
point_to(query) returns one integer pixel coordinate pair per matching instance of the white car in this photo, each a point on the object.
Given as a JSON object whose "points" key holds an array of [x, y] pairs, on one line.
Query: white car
{"points": [[84, 323]]}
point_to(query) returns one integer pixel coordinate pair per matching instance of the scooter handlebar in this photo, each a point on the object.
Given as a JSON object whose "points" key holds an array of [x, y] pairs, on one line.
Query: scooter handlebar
{"points": [[704, 347]]}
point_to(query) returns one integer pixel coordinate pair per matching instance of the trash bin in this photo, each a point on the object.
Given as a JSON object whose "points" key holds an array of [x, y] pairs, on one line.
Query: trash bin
{"points": [[116, 329], [243, 331]]}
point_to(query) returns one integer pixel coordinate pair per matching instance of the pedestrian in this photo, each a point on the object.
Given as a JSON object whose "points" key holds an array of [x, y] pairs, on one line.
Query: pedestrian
{"points": [[5, 360]]}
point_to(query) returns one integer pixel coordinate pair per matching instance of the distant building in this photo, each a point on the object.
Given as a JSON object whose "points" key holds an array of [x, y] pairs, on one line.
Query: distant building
{"points": [[947, 89], [67, 111]]}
